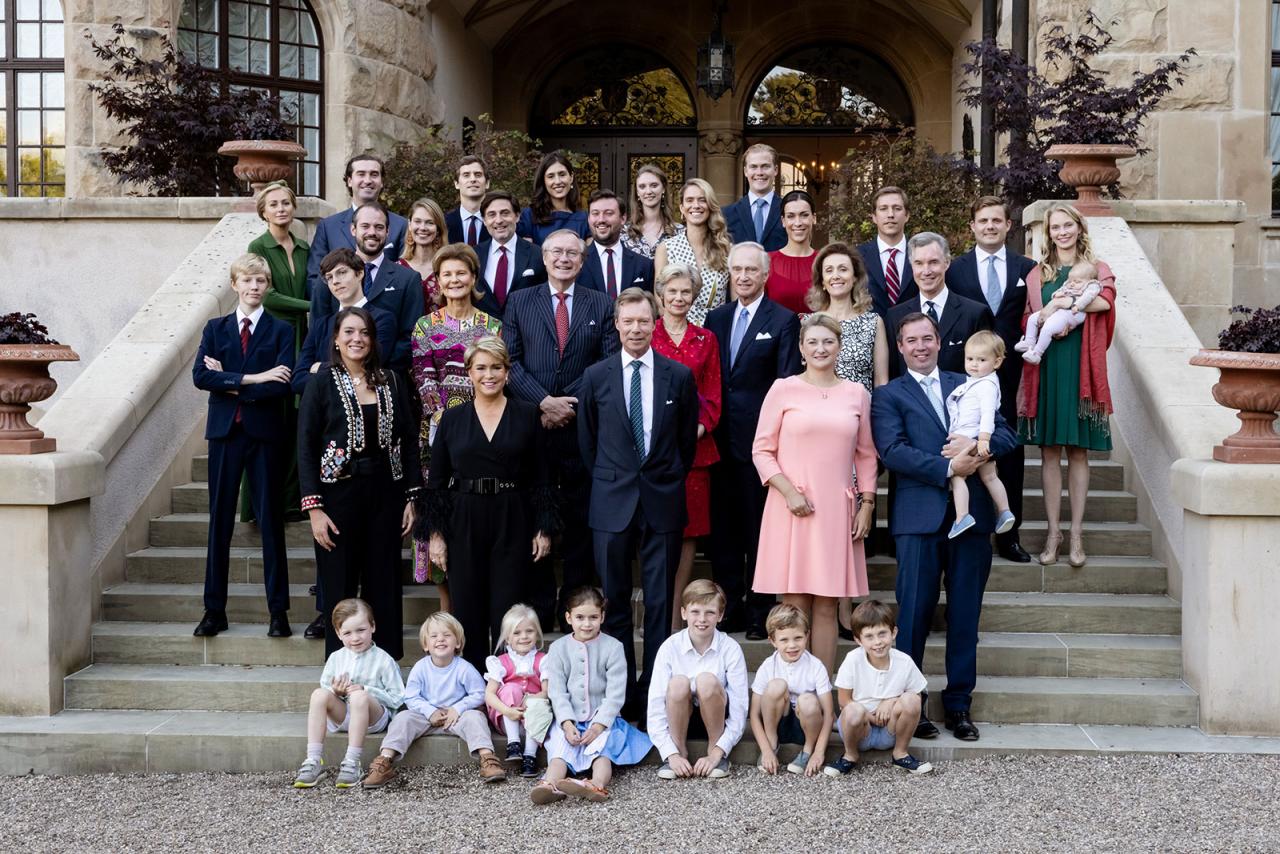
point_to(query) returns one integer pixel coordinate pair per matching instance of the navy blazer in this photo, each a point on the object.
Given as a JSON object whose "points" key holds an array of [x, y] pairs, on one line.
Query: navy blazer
{"points": [[960, 318], [742, 227], [529, 328], [261, 405], [396, 289], [453, 222], [770, 350], [870, 252], [334, 232], [526, 269], [637, 270], [319, 344], [619, 478], [909, 438]]}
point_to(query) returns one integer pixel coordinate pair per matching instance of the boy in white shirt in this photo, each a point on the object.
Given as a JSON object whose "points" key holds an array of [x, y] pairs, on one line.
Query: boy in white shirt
{"points": [[879, 689], [791, 696], [698, 668]]}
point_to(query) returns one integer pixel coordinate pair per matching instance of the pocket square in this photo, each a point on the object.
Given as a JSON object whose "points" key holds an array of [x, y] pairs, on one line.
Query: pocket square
{"points": [[591, 323], [1021, 284], [529, 272], [954, 343], [669, 402], [389, 288], [763, 336], [637, 279]]}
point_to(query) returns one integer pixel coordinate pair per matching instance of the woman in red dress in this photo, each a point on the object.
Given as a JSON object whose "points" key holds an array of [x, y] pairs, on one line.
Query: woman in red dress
{"points": [[697, 349], [791, 267]]}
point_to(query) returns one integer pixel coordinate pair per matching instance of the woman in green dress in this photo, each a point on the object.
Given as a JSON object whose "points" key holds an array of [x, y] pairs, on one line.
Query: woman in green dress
{"points": [[1065, 401], [289, 301]]}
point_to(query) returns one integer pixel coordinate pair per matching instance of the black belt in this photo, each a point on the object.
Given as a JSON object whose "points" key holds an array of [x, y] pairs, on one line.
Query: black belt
{"points": [[483, 485]]}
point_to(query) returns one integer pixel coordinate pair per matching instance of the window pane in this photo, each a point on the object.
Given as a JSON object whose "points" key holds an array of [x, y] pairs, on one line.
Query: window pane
{"points": [[28, 127], [55, 190], [311, 178], [238, 19], [309, 31], [55, 127], [28, 165], [311, 109], [4, 42], [1275, 138], [311, 141], [4, 172], [55, 165], [28, 10], [54, 90], [260, 57], [52, 41], [208, 10], [207, 51], [288, 26], [310, 63], [52, 10], [1275, 26], [289, 61], [187, 17], [28, 39], [31, 191], [238, 54], [29, 90], [260, 22], [187, 44]]}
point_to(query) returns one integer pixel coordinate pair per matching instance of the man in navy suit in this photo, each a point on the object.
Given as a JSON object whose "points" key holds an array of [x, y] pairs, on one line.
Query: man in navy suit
{"points": [[757, 216], [363, 177], [243, 362], [466, 221], [507, 263], [638, 426], [554, 332], [909, 422], [759, 343], [957, 318], [387, 285], [611, 267], [889, 275], [993, 274]]}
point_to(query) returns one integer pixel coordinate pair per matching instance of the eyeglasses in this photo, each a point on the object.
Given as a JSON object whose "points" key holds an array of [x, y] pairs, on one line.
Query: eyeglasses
{"points": [[571, 254]]}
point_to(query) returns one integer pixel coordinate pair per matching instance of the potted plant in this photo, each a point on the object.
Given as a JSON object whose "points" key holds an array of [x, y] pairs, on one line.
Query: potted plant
{"points": [[25, 353], [1248, 360]]}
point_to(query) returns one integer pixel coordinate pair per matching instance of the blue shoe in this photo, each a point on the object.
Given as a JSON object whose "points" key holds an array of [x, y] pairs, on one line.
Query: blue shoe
{"points": [[1005, 523], [961, 525], [912, 765], [840, 767], [798, 764]]}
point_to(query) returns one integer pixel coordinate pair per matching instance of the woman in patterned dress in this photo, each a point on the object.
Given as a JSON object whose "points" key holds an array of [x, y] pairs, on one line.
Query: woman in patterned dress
{"points": [[440, 341], [703, 245], [651, 222], [423, 238], [697, 349]]}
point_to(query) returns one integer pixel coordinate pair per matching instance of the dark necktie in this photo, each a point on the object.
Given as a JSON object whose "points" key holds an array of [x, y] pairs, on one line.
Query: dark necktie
{"points": [[892, 283], [612, 275], [562, 322], [244, 349], [500, 276], [473, 234], [636, 409], [929, 310], [370, 272]]}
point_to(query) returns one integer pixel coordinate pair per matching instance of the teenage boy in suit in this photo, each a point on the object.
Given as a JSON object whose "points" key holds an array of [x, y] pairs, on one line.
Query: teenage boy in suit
{"points": [[757, 216]]}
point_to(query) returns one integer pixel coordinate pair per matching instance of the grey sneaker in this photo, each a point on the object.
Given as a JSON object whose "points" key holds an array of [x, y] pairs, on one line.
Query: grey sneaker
{"points": [[720, 771], [665, 772], [311, 771], [348, 774], [798, 764]]}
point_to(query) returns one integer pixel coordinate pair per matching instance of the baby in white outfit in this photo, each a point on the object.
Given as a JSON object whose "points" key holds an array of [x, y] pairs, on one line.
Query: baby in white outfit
{"points": [[972, 409], [1081, 287]]}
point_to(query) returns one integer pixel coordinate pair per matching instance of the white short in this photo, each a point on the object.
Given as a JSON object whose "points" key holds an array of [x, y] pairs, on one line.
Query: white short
{"points": [[346, 721]]}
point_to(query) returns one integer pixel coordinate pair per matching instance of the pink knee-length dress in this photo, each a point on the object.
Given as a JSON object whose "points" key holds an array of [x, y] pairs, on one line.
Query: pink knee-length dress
{"points": [[818, 438]]}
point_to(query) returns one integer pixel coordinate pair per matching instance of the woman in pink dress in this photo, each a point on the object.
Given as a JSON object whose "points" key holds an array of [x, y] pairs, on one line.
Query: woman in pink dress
{"points": [[814, 434], [791, 267]]}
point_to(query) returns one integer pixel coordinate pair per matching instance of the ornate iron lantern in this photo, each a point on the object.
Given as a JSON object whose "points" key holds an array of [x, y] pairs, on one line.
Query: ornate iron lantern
{"points": [[715, 60]]}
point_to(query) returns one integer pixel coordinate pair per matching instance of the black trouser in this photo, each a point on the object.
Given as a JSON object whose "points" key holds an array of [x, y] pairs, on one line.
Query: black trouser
{"points": [[737, 505], [367, 509], [573, 494]]}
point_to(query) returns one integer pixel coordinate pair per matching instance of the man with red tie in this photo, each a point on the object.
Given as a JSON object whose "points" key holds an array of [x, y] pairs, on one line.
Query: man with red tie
{"points": [[611, 267], [889, 276], [465, 222], [507, 263]]}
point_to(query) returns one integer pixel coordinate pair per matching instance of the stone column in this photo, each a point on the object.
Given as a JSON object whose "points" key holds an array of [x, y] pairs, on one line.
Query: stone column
{"points": [[718, 150]]}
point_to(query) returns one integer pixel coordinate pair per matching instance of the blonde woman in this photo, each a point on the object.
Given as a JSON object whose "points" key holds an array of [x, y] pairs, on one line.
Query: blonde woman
{"points": [[651, 222], [425, 235], [703, 245]]}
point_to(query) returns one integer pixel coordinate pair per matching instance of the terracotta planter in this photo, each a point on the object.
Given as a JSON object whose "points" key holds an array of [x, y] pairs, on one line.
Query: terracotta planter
{"points": [[1089, 168], [1249, 383], [24, 380], [261, 161]]}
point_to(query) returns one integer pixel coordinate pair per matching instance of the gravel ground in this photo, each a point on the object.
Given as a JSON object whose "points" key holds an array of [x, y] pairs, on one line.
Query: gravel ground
{"points": [[1037, 803]]}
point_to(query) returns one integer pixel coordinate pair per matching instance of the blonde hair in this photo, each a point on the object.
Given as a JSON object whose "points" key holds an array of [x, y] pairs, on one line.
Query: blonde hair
{"points": [[703, 591], [261, 201], [717, 244], [348, 608], [824, 320], [785, 616], [635, 227], [433, 209], [817, 297], [447, 620], [1084, 249], [1084, 269], [987, 340], [511, 621], [760, 148], [248, 264], [491, 345]]}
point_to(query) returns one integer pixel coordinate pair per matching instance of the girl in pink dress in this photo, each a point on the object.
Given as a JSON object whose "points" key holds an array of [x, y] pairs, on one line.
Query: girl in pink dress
{"points": [[814, 434]]}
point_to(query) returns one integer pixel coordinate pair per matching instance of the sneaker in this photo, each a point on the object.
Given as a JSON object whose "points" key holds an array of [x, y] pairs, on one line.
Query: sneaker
{"points": [[348, 774], [513, 753], [665, 772], [1005, 523], [381, 772], [491, 770], [840, 768], [529, 766], [798, 764], [720, 771], [546, 793], [961, 525], [584, 789], [912, 765], [1031, 357], [311, 771]]}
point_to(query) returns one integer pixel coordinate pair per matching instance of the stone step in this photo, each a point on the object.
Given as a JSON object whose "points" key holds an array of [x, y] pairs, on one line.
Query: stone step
{"points": [[1102, 574], [999, 653], [1100, 538], [1072, 613], [999, 699]]}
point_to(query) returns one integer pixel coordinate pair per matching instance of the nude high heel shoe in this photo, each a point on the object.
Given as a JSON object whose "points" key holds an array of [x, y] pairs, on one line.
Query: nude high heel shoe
{"points": [[1052, 543], [1076, 556]]}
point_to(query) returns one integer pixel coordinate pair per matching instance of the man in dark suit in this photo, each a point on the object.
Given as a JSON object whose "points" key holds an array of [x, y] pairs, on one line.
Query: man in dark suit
{"points": [[243, 363], [957, 318], [466, 221], [909, 423], [611, 267], [507, 263], [364, 185], [993, 274], [759, 343], [638, 426], [889, 275], [387, 285], [554, 332], [757, 216]]}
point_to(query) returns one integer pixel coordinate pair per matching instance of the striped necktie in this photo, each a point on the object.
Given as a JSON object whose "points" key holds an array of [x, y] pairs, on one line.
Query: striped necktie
{"points": [[636, 409]]}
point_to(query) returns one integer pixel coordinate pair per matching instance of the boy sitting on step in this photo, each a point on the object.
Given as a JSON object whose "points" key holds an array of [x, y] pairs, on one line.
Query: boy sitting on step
{"points": [[699, 683], [791, 696], [360, 689]]}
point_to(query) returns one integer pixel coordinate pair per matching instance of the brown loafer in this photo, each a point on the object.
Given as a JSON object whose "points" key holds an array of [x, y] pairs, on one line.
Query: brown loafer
{"points": [[381, 772], [491, 770]]}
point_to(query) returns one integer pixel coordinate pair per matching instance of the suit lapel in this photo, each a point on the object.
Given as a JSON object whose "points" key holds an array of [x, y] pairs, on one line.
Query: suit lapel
{"points": [[753, 328], [379, 280], [1011, 277], [344, 224], [578, 313], [950, 314], [774, 219], [618, 381], [915, 391], [259, 332], [542, 305], [661, 384]]}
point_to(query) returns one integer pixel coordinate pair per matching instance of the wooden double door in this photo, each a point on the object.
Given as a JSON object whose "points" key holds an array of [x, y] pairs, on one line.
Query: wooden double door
{"points": [[612, 162]]}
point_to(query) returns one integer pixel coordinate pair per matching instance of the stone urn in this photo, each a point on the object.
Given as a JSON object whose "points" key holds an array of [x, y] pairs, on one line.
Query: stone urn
{"points": [[24, 380], [1089, 168], [1250, 384], [261, 161]]}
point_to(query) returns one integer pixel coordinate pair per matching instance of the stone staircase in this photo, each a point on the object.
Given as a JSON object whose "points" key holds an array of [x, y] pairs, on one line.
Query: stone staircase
{"points": [[1073, 660]]}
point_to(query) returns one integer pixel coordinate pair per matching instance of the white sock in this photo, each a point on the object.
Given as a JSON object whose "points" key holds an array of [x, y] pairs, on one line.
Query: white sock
{"points": [[353, 754], [530, 746], [315, 749], [511, 729]]}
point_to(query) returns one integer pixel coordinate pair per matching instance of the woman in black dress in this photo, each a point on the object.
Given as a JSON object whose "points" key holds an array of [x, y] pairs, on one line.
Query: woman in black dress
{"points": [[357, 464], [490, 508]]}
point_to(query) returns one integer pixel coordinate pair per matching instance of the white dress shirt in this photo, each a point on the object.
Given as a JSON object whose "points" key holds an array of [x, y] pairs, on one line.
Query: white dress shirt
{"points": [[646, 390], [769, 200], [939, 303], [1002, 270], [805, 675], [253, 319], [751, 308], [604, 262], [491, 263], [677, 659], [466, 216], [555, 300], [900, 262], [370, 272]]}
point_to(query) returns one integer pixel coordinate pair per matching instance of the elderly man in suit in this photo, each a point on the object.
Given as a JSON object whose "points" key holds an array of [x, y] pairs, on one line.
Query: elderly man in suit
{"points": [[757, 216], [466, 222], [993, 274], [611, 267], [889, 275], [387, 285], [638, 427], [507, 263], [363, 177], [957, 318], [759, 343], [554, 332]]}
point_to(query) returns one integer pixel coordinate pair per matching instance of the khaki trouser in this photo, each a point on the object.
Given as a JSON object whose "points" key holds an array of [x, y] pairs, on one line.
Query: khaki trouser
{"points": [[408, 726]]}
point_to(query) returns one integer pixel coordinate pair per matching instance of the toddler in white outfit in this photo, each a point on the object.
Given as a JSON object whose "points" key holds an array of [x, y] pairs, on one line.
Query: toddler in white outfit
{"points": [[972, 410], [1081, 287]]}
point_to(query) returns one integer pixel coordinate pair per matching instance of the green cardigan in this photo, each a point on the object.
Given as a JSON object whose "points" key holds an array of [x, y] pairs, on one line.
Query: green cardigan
{"points": [[288, 299]]}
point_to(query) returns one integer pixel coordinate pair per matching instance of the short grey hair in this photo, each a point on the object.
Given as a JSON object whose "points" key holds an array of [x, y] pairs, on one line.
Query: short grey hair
{"points": [[923, 239], [677, 271], [751, 244], [566, 232]]}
